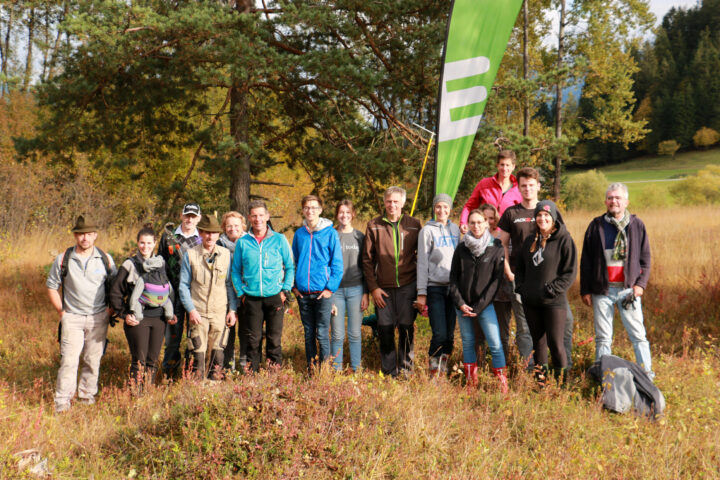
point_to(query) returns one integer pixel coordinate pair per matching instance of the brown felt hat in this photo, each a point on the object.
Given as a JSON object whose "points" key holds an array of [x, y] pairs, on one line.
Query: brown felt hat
{"points": [[84, 224], [209, 223]]}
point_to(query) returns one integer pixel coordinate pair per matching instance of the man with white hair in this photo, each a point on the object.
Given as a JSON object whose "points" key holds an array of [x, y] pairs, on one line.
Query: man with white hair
{"points": [[390, 268], [614, 271]]}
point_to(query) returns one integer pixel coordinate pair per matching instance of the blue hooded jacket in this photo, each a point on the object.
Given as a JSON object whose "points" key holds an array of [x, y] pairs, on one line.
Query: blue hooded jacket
{"points": [[318, 258], [262, 269]]}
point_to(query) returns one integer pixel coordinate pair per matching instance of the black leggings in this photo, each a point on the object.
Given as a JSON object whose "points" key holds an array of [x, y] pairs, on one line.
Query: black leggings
{"points": [[547, 327], [145, 341]]}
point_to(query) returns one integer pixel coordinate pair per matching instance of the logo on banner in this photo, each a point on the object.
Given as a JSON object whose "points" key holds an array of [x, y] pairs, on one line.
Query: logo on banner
{"points": [[449, 129]]}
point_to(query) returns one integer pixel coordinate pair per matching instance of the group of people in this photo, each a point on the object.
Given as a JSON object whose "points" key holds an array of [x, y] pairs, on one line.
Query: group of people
{"points": [[213, 280]]}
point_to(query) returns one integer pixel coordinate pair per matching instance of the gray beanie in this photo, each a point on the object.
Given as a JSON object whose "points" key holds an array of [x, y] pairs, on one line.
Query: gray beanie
{"points": [[442, 197]]}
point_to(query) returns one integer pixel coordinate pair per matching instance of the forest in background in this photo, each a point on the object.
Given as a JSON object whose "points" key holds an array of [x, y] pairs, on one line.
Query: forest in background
{"points": [[133, 108]]}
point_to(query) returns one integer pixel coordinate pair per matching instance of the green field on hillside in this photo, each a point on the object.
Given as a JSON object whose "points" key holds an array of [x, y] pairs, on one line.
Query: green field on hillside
{"points": [[649, 178]]}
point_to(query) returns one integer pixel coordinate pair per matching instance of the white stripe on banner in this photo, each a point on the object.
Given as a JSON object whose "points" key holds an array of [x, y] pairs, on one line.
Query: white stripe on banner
{"points": [[450, 130]]}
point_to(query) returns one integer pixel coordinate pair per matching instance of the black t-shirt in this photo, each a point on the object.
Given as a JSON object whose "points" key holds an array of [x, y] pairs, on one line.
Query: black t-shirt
{"points": [[519, 223]]}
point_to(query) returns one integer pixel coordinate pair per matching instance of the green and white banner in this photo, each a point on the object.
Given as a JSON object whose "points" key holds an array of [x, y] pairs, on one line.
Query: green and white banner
{"points": [[477, 36]]}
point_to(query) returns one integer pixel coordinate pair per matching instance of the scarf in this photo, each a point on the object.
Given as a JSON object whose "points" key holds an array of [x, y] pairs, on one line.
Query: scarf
{"points": [[224, 241], [620, 247], [477, 246], [538, 257]]}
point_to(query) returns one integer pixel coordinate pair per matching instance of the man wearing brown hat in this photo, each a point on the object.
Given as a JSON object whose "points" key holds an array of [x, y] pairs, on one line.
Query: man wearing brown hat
{"points": [[84, 272], [206, 292]]}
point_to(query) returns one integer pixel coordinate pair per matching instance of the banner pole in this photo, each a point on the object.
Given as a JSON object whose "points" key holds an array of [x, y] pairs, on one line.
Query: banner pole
{"points": [[422, 171]]}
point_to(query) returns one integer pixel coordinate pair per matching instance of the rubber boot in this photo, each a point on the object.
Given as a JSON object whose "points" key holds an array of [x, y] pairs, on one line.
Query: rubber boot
{"points": [[198, 365], [502, 379], [216, 371], [471, 374], [540, 372]]}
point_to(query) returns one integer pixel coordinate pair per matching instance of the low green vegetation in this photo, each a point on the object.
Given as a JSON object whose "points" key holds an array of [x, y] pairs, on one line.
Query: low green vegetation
{"points": [[653, 181]]}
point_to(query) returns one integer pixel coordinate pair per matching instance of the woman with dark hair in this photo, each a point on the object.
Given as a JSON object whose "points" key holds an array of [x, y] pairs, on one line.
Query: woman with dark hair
{"points": [[352, 296], [545, 270], [141, 296], [475, 273]]}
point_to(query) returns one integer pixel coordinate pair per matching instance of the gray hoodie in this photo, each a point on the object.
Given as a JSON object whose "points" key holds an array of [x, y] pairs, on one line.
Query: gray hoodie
{"points": [[436, 246]]}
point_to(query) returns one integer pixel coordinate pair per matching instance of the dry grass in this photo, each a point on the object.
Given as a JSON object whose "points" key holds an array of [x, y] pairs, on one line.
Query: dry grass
{"points": [[282, 424]]}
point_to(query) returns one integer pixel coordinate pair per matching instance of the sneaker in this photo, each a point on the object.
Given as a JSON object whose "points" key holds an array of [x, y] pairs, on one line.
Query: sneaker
{"points": [[62, 407], [87, 401]]}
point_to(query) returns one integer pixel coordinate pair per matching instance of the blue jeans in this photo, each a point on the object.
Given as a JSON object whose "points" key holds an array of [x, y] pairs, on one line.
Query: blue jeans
{"points": [[315, 317], [347, 300], [489, 324], [441, 311], [632, 319]]}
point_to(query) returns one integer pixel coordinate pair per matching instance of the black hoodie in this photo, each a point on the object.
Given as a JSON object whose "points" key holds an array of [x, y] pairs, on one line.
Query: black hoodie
{"points": [[475, 280], [547, 284]]}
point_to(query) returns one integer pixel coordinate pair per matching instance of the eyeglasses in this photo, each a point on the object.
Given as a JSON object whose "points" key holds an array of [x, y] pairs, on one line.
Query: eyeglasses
{"points": [[308, 208]]}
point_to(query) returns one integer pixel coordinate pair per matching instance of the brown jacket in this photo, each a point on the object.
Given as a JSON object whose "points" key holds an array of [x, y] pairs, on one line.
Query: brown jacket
{"points": [[384, 265]]}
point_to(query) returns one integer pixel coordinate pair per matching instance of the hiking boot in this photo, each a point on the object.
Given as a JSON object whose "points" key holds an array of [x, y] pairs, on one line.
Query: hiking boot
{"points": [[443, 363], [87, 401], [433, 365], [62, 407]]}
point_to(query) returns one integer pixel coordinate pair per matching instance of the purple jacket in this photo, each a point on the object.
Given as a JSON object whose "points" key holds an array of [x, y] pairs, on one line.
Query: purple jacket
{"points": [[593, 268]]}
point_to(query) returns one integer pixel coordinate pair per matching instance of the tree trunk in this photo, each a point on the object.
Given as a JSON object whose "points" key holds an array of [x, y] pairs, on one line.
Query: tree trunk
{"points": [[58, 38], [6, 48], [559, 101], [526, 100], [240, 186], [28, 58], [47, 25]]}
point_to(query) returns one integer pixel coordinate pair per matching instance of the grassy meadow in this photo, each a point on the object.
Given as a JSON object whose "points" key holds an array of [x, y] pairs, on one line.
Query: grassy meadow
{"points": [[649, 178], [284, 424]]}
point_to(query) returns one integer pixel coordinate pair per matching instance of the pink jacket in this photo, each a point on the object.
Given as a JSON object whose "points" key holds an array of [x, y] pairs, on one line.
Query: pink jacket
{"points": [[488, 190]]}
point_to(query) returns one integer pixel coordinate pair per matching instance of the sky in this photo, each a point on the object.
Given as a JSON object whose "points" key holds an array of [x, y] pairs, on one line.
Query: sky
{"points": [[661, 7]]}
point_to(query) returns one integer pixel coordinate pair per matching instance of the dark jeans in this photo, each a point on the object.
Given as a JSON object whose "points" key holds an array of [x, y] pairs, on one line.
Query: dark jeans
{"points": [[441, 311], [145, 341], [315, 317], [172, 360], [399, 314], [547, 327], [270, 311], [230, 358]]}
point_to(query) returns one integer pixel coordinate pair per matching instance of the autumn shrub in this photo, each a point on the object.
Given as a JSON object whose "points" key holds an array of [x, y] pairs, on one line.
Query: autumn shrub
{"points": [[586, 190], [705, 137], [668, 148], [699, 189], [653, 196]]}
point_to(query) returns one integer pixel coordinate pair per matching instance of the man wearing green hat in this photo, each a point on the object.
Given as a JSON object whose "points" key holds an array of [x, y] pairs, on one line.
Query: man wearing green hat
{"points": [[83, 272], [206, 292]]}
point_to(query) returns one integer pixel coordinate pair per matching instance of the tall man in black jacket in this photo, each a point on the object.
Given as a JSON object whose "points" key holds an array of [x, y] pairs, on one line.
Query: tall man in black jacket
{"points": [[614, 270]]}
